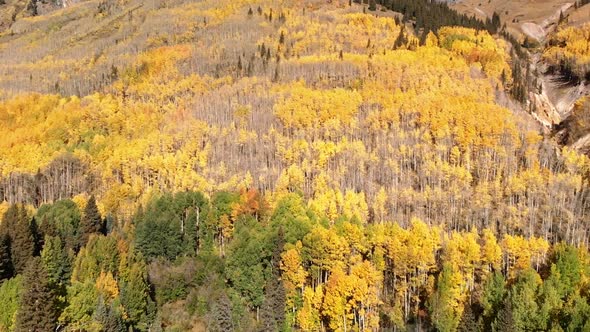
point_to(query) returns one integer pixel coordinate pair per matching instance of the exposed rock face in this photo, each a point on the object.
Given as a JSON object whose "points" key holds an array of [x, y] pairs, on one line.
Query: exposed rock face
{"points": [[583, 144], [539, 31], [534, 31], [544, 110]]}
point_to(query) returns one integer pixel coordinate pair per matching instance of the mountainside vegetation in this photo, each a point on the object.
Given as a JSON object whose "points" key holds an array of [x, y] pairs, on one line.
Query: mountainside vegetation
{"points": [[262, 165]]}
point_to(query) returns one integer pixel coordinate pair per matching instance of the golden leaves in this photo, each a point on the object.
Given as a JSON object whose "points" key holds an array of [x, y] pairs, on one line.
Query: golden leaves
{"points": [[572, 45]]}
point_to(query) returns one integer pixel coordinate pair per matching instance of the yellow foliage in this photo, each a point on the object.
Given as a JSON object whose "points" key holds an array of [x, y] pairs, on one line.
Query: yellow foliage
{"points": [[463, 253], [477, 47], [106, 285], [294, 275], [491, 252], [572, 45], [308, 316], [331, 110]]}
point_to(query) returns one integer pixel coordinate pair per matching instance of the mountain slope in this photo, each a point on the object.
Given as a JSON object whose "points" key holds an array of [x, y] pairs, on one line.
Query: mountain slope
{"points": [[306, 165], [308, 96]]}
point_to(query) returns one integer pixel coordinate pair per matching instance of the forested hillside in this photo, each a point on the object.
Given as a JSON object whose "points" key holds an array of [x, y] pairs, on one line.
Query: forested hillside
{"points": [[262, 165]]}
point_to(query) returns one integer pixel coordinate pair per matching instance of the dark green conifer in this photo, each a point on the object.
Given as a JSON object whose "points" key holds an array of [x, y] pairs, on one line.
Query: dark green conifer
{"points": [[504, 321], [9, 220], [22, 242], [282, 38], [273, 308], [109, 317], [468, 322], [91, 222], [6, 269], [37, 311]]}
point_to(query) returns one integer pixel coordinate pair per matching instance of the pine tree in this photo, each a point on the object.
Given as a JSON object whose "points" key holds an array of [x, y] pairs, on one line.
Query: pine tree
{"points": [[272, 311], [6, 270], [468, 322], [401, 40], [23, 243], [9, 220], [32, 8], [275, 77], [504, 321], [275, 297], [262, 50], [90, 223], [221, 315], [37, 240], [57, 263], [109, 317], [37, 310], [282, 38]]}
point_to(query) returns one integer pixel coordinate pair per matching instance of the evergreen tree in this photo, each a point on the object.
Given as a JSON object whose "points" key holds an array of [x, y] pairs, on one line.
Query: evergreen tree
{"points": [[468, 322], [32, 8], [221, 315], [275, 297], [57, 262], [239, 63], [6, 269], [109, 317], [23, 243], [62, 219], [9, 220], [272, 312], [37, 310], [504, 321], [282, 38], [37, 240], [401, 39], [158, 232], [90, 223]]}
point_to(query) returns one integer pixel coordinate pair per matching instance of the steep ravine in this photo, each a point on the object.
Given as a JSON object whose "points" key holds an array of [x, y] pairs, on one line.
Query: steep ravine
{"points": [[554, 101]]}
